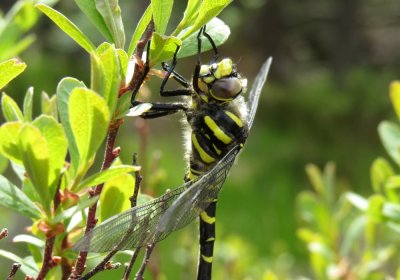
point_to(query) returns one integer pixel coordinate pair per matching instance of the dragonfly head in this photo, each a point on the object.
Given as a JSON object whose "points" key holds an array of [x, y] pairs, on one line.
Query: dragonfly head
{"points": [[221, 81]]}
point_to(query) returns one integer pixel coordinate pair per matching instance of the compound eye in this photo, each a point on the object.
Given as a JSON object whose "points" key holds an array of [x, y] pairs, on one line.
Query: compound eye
{"points": [[226, 88]]}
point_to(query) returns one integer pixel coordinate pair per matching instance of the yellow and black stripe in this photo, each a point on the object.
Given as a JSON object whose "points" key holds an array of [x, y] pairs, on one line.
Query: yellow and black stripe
{"points": [[215, 130]]}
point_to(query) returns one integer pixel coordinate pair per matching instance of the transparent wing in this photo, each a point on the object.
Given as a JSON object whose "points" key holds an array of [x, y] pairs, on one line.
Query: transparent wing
{"points": [[198, 196], [133, 228], [255, 92]]}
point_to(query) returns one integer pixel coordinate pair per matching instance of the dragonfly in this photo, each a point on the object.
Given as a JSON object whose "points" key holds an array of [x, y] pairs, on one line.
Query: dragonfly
{"points": [[219, 121]]}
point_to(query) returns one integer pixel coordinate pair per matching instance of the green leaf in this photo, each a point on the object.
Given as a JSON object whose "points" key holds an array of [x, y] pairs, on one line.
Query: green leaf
{"points": [[9, 70], [106, 175], [108, 57], [189, 16], [390, 137], [28, 104], [35, 157], [57, 147], [123, 62], [218, 31], [30, 239], [27, 265], [375, 206], [89, 117], [123, 105], [208, 10], [11, 111], [380, 172], [9, 146], [141, 27], [73, 210], [3, 164], [115, 196], [162, 48], [394, 93], [88, 7], [19, 46], [111, 13], [307, 204], [357, 200], [64, 89], [13, 198], [315, 177], [68, 27], [161, 13], [49, 105]]}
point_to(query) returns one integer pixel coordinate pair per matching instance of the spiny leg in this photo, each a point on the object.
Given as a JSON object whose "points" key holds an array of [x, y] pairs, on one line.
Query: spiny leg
{"points": [[212, 43]]}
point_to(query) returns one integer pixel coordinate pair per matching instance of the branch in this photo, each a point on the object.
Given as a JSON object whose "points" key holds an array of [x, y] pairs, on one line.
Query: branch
{"points": [[3, 233], [140, 273], [14, 270]]}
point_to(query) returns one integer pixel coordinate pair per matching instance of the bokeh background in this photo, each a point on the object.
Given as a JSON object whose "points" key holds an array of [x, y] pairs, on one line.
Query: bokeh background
{"points": [[325, 95]]}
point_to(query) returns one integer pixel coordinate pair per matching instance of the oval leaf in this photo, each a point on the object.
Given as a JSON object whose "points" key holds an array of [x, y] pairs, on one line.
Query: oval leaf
{"points": [[9, 141], [64, 89], [89, 117], [390, 137], [68, 27], [161, 13], [111, 13], [163, 48], [34, 151], [11, 111], [9, 70], [218, 31]]}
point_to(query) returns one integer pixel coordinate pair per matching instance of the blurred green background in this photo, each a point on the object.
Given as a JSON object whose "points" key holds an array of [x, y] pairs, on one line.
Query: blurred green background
{"points": [[326, 94]]}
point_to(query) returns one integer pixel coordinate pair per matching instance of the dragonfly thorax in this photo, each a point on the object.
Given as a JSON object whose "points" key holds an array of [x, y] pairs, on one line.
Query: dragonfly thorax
{"points": [[220, 81]]}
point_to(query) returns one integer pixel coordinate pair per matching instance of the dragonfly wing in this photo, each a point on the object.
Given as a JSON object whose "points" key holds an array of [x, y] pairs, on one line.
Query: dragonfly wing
{"points": [[133, 228], [198, 196], [255, 92]]}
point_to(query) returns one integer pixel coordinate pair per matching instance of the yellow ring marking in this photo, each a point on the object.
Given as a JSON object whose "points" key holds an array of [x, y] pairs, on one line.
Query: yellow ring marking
{"points": [[207, 259], [203, 155], [207, 219], [235, 118], [217, 131]]}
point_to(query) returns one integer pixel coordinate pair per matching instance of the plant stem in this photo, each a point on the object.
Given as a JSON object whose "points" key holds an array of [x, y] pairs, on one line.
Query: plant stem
{"points": [[109, 157], [140, 273], [13, 271]]}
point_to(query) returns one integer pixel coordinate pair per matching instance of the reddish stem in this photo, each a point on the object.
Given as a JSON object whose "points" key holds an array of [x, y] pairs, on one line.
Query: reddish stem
{"points": [[109, 157]]}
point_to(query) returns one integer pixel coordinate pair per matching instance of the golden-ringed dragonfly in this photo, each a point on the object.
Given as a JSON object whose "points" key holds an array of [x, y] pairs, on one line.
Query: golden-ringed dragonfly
{"points": [[219, 122]]}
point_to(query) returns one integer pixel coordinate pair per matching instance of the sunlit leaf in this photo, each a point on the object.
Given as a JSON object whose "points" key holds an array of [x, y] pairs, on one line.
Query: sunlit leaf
{"points": [[89, 117], [9, 144], [57, 147], [28, 104], [64, 89], [141, 27], [163, 48], [139, 109], [10, 109], [189, 16], [68, 27], [161, 13], [34, 151], [395, 96], [49, 105], [30, 239], [208, 10], [357, 200], [9, 70], [115, 196], [106, 175]]}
